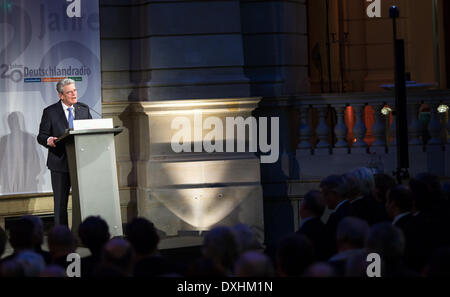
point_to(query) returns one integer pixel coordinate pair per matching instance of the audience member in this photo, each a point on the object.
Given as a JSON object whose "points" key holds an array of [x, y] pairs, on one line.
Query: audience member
{"points": [[117, 259], [399, 206], [94, 234], [388, 241], [221, 246], [38, 237], [439, 263], [424, 230], [365, 204], [320, 269], [294, 255], [351, 237], [32, 263], [246, 238], [254, 264], [142, 235], [434, 203], [3, 240], [383, 183], [334, 191], [21, 236], [11, 268], [205, 267], [311, 210], [61, 243], [53, 271]]}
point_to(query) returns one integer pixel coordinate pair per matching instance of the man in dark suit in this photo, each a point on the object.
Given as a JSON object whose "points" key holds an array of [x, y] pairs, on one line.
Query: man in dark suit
{"points": [[399, 205], [361, 189], [311, 210], [334, 190], [56, 118]]}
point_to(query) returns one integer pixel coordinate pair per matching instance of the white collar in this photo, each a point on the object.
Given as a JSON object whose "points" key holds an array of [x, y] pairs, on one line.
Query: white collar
{"points": [[340, 203], [398, 217], [357, 198], [65, 107]]}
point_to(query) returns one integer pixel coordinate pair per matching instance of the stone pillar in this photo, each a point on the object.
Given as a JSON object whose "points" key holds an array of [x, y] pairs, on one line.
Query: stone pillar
{"points": [[186, 193], [275, 36], [162, 50]]}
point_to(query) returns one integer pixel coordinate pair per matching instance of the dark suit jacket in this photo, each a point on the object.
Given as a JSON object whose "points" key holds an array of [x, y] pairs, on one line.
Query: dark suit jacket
{"points": [[403, 223], [314, 229], [423, 234], [345, 210], [370, 210], [54, 123]]}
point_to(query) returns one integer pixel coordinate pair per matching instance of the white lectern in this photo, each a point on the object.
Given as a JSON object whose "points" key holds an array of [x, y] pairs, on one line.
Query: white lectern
{"points": [[93, 175]]}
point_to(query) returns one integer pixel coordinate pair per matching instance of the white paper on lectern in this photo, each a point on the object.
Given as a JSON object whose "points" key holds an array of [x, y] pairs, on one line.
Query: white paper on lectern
{"points": [[92, 124]]}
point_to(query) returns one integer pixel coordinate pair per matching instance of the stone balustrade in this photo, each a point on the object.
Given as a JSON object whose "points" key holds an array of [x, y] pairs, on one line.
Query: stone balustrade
{"points": [[345, 131], [358, 122]]}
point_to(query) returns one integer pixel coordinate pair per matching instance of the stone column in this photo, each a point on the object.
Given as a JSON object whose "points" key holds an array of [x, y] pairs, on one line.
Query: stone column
{"points": [[186, 193], [275, 36], [162, 50]]}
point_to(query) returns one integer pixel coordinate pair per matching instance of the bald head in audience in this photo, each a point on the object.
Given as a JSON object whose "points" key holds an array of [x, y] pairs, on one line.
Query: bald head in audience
{"points": [[254, 264]]}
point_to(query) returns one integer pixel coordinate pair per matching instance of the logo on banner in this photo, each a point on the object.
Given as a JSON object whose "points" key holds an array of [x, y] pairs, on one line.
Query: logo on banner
{"points": [[74, 9]]}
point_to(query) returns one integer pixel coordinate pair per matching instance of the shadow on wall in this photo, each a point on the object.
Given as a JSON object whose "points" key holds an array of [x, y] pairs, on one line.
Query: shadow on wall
{"points": [[21, 160]]}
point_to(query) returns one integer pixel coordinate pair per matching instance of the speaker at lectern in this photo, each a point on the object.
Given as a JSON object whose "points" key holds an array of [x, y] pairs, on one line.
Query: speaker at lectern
{"points": [[93, 173]]}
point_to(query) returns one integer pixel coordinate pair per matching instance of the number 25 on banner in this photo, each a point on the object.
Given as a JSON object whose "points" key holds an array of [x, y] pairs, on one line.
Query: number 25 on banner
{"points": [[74, 9]]}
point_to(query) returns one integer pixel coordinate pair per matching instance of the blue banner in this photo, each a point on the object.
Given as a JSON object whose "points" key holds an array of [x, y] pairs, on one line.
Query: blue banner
{"points": [[41, 42]]}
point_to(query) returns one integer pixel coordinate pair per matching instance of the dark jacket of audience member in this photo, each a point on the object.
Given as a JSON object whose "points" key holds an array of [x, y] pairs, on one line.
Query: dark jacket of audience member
{"points": [[94, 234], [38, 237], [142, 235], [311, 210], [334, 191], [61, 243], [21, 236], [294, 255]]}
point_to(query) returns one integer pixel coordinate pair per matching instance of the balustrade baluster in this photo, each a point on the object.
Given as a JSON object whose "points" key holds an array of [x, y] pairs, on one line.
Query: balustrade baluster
{"points": [[359, 130], [322, 128], [304, 131], [414, 124], [378, 128], [435, 125], [340, 130]]}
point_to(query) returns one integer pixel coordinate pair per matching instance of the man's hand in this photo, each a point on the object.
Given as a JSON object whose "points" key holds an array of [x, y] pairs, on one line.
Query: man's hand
{"points": [[51, 141]]}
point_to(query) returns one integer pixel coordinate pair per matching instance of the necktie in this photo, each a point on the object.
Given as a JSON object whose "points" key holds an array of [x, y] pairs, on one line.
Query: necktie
{"points": [[70, 118]]}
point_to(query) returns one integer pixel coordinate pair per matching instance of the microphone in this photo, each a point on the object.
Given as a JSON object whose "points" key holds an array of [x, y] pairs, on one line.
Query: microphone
{"points": [[90, 108]]}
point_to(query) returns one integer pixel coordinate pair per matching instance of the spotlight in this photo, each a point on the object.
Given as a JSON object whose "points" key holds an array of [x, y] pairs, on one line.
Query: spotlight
{"points": [[386, 110], [442, 108]]}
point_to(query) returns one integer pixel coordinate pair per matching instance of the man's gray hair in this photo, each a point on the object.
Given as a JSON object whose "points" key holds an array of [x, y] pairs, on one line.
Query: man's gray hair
{"points": [[366, 180], [353, 231], [386, 240], [64, 82]]}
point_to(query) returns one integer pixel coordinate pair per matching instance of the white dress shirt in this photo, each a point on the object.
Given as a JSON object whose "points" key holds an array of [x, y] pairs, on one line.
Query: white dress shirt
{"points": [[66, 112]]}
